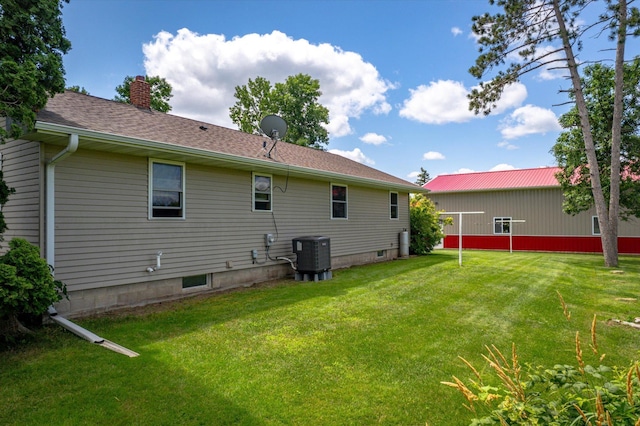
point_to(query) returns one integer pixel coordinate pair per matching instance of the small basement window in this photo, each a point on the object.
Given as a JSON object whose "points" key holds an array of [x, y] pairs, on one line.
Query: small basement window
{"points": [[194, 281]]}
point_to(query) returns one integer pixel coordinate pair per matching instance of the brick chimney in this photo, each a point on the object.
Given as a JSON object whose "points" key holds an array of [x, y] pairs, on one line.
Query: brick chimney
{"points": [[140, 93]]}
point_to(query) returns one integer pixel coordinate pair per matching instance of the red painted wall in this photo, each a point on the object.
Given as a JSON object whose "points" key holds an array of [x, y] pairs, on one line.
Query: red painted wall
{"points": [[626, 245]]}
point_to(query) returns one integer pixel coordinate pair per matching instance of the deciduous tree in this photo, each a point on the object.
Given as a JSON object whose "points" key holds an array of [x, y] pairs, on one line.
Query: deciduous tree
{"points": [[254, 102], [295, 100], [424, 220], [32, 42], [527, 31], [78, 89], [598, 82]]}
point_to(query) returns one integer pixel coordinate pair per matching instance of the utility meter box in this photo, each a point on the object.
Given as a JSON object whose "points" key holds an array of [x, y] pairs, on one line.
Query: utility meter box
{"points": [[313, 254]]}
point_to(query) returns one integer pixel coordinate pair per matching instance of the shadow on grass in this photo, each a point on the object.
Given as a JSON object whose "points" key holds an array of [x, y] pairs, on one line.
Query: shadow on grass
{"points": [[100, 387], [156, 388], [292, 352], [184, 316], [256, 298]]}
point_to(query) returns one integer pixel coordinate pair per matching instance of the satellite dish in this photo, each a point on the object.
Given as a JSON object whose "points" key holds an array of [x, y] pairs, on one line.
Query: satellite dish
{"points": [[273, 126]]}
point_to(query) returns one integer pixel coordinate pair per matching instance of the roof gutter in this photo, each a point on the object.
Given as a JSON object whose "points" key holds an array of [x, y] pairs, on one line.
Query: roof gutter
{"points": [[50, 206], [285, 168]]}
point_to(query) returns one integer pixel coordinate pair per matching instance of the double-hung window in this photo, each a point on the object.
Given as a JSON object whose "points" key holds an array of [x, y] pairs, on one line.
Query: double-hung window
{"points": [[262, 192], [393, 205], [166, 189], [501, 225], [338, 202]]}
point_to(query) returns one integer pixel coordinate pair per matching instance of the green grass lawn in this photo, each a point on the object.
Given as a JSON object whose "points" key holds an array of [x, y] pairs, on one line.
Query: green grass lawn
{"points": [[369, 346]]}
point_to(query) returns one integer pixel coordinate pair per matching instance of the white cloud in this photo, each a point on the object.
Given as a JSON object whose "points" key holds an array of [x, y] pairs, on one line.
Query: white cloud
{"points": [[508, 146], [513, 96], [373, 139], [442, 101], [456, 31], [463, 170], [529, 120], [552, 62], [413, 175], [355, 155], [432, 155], [501, 166], [552, 70], [204, 70], [445, 101]]}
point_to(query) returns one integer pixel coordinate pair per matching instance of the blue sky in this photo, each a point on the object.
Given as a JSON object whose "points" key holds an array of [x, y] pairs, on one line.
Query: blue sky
{"points": [[394, 74]]}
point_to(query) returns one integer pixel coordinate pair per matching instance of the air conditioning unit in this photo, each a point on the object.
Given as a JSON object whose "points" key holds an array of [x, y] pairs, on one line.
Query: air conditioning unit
{"points": [[313, 254]]}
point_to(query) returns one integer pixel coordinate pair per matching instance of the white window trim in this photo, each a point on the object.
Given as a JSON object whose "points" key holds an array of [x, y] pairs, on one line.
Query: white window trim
{"points": [[493, 224], [397, 206], [150, 195], [346, 201], [594, 220], [253, 192]]}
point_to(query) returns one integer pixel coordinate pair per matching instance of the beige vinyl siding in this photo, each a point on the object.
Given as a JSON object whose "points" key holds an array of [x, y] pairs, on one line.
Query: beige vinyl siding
{"points": [[540, 208], [22, 171], [630, 228], [104, 237], [306, 210]]}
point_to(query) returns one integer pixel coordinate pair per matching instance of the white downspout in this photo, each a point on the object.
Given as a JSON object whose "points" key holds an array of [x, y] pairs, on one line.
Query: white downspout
{"points": [[50, 223], [50, 203]]}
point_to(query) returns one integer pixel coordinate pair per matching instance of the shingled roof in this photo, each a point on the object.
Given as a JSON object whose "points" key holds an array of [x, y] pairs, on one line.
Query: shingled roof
{"points": [[117, 127], [541, 177]]}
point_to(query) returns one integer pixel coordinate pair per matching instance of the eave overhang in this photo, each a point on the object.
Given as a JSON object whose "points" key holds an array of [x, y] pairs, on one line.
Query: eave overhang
{"points": [[58, 134]]}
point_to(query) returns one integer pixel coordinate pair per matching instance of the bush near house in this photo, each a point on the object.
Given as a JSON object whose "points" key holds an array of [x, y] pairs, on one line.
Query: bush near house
{"points": [[26, 286], [425, 226]]}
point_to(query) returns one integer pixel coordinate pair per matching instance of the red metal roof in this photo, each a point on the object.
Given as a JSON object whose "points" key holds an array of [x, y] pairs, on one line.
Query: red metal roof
{"points": [[541, 177]]}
